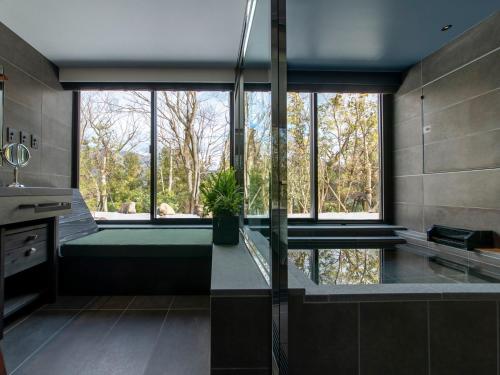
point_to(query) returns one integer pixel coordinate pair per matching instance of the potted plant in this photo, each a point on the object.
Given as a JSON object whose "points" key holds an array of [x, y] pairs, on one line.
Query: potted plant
{"points": [[222, 197]]}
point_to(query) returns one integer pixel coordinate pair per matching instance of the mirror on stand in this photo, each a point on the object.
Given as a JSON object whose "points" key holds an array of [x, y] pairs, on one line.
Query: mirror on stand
{"points": [[17, 156]]}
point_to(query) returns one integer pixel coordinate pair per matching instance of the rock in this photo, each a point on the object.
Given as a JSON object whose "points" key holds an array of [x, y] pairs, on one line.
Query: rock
{"points": [[165, 209], [198, 210], [127, 208]]}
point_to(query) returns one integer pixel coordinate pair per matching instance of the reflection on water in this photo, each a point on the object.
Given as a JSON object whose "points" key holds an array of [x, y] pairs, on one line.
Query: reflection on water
{"points": [[376, 266], [339, 266]]}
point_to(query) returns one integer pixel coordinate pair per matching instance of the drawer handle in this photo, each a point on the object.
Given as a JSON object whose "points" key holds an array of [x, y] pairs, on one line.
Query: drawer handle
{"points": [[30, 252], [46, 207], [33, 237]]}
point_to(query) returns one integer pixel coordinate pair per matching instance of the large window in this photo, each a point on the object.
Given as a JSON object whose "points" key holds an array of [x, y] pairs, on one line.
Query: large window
{"points": [[192, 141], [344, 153], [348, 156], [114, 154], [333, 153]]}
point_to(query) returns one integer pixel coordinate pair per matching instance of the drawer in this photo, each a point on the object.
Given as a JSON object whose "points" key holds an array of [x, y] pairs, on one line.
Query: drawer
{"points": [[22, 258], [25, 236]]}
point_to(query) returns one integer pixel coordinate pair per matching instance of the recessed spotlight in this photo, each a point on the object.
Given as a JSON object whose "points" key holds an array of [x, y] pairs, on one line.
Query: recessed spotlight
{"points": [[446, 28]]}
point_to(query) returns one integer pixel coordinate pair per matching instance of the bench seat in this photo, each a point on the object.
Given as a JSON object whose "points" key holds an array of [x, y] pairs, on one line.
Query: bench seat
{"points": [[142, 243], [137, 261]]}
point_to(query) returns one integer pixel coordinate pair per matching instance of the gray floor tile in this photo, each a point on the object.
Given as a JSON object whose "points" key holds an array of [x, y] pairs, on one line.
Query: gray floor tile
{"points": [[110, 302], [191, 302], [29, 335], [73, 347], [151, 302], [183, 346], [70, 302], [128, 346]]}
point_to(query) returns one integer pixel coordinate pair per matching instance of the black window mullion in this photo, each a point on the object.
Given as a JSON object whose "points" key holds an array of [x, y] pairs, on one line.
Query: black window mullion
{"points": [[314, 155], [153, 155], [232, 99]]}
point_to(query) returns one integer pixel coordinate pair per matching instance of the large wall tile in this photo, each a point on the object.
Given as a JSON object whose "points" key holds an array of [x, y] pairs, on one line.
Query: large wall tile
{"points": [[477, 41], [240, 332], [393, 338], [412, 80], [409, 216], [463, 338], [22, 88], [407, 106], [36, 104], [468, 218], [477, 151], [55, 133], [461, 133], [408, 161], [474, 79], [55, 161], [479, 189], [408, 190], [324, 338], [408, 133], [19, 53], [21, 117], [472, 116]]}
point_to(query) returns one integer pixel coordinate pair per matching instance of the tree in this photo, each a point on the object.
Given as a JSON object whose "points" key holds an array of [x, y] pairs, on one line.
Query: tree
{"points": [[108, 133], [257, 152], [348, 153], [299, 177]]}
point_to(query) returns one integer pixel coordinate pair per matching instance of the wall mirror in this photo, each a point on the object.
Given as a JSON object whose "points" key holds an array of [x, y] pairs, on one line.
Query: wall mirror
{"points": [[17, 156]]}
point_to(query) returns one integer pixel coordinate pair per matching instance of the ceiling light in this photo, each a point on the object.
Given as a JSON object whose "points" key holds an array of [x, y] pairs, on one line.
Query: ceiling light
{"points": [[446, 28]]}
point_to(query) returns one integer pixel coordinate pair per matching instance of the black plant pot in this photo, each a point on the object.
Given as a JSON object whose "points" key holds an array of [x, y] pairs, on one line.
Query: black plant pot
{"points": [[226, 230]]}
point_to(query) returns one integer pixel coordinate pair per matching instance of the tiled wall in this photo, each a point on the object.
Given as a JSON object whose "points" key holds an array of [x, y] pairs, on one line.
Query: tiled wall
{"points": [[438, 337], [35, 103], [447, 135]]}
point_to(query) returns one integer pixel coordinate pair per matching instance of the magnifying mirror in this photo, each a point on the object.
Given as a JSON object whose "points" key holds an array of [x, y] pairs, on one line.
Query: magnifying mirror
{"points": [[17, 156]]}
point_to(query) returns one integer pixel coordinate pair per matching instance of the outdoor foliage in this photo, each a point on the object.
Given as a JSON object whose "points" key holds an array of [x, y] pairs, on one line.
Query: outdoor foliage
{"points": [[193, 144], [221, 195], [340, 266]]}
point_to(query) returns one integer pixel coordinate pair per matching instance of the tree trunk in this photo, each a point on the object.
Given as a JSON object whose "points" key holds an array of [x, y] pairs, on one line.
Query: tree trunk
{"points": [[368, 169], [103, 198], [170, 170]]}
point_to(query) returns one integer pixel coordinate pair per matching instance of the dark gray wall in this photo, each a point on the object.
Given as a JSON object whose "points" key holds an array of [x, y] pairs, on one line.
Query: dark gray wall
{"points": [[447, 145], [36, 103]]}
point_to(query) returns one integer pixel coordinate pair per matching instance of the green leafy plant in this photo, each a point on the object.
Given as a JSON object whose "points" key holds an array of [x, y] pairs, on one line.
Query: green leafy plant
{"points": [[221, 194]]}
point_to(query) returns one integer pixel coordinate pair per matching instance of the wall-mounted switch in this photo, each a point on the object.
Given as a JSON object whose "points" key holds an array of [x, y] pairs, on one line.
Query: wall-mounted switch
{"points": [[34, 141], [24, 137], [11, 135]]}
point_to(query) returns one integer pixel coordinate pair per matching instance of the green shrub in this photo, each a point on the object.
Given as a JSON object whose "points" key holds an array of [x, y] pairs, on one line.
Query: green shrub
{"points": [[221, 195]]}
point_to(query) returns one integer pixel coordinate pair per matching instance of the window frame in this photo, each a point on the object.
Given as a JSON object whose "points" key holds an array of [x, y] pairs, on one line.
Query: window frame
{"points": [[385, 106], [153, 172]]}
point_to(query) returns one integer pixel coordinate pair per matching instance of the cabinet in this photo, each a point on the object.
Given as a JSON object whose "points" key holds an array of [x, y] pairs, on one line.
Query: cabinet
{"points": [[28, 246]]}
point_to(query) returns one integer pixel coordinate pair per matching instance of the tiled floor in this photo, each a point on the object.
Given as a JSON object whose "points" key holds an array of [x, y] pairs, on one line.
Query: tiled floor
{"points": [[112, 335]]}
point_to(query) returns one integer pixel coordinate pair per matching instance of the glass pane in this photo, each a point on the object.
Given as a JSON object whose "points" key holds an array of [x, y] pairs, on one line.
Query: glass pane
{"points": [[257, 153], [115, 137], [299, 155], [348, 156], [193, 141]]}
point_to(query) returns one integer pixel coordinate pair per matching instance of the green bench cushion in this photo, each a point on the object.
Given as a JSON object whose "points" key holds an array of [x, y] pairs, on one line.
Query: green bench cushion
{"points": [[143, 243]]}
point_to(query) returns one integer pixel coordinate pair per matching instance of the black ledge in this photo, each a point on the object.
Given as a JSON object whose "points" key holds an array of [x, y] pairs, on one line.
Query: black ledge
{"points": [[234, 272]]}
